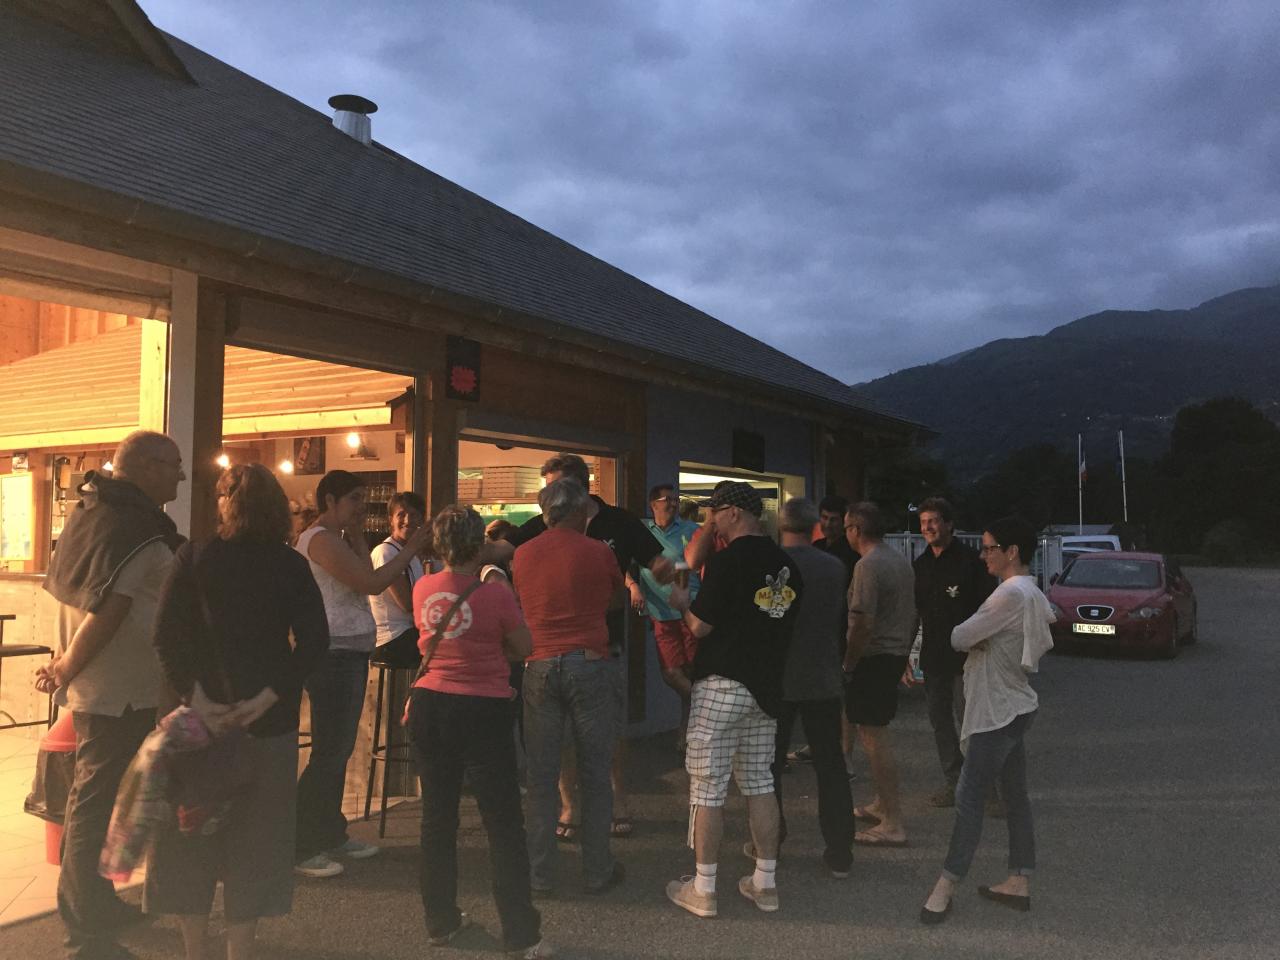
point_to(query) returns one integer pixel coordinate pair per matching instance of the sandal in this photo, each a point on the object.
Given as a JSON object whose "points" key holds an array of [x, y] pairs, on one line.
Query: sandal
{"points": [[567, 832], [621, 827], [875, 837], [864, 813]]}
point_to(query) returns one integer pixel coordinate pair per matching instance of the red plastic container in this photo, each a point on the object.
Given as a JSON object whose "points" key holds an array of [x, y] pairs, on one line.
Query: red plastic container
{"points": [[60, 738]]}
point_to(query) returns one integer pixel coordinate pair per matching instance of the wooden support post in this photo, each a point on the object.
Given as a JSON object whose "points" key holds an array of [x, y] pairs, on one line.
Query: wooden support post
{"points": [[153, 375], [194, 414], [442, 444]]}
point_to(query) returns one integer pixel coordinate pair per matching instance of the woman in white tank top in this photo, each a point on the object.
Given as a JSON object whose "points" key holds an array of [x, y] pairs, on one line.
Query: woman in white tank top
{"points": [[339, 557]]}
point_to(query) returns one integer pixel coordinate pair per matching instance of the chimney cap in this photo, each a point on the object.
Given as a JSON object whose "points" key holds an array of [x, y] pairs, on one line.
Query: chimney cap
{"points": [[353, 103]]}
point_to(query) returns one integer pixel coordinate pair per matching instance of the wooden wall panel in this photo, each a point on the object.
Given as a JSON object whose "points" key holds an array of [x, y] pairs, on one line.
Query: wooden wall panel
{"points": [[19, 328]]}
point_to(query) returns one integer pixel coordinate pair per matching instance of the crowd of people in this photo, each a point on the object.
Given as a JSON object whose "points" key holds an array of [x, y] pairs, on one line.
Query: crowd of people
{"points": [[518, 638]]}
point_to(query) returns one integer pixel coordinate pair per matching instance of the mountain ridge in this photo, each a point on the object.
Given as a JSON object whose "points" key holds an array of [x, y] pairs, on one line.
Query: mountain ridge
{"points": [[1113, 370]]}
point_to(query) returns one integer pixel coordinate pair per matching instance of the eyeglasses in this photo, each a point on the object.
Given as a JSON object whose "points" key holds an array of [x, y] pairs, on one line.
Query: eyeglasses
{"points": [[991, 548]]}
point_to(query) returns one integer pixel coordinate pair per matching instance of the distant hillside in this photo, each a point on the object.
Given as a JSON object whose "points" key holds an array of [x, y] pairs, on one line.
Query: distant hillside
{"points": [[1118, 369]]}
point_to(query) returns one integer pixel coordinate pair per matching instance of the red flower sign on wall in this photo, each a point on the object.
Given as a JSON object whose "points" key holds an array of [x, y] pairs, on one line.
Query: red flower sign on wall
{"points": [[463, 380]]}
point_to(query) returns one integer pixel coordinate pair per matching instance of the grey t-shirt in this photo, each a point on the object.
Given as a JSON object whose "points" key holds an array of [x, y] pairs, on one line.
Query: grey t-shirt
{"points": [[883, 589], [813, 659]]}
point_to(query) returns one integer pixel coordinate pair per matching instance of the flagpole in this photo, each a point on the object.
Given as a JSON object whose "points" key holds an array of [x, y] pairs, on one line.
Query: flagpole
{"points": [[1124, 485], [1080, 482]]}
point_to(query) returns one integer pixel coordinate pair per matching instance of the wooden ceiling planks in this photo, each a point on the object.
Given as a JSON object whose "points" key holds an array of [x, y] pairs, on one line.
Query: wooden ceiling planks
{"points": [[88, 392]]}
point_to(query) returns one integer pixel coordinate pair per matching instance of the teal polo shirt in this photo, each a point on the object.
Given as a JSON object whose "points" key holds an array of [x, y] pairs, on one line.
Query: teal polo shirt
{"points": [[673, 539]]}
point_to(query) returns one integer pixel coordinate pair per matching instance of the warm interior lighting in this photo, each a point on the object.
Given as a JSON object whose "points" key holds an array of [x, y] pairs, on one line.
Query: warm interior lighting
{"points": [[223, 461], [354, 441], [286, 466], [107, 467]]}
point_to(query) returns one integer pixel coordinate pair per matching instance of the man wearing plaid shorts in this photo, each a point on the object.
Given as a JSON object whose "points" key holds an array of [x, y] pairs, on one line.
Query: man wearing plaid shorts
{"points": [[742, 617]]}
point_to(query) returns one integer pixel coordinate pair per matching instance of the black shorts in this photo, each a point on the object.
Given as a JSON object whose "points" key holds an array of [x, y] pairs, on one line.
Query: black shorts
{"points": [[871, 697]]}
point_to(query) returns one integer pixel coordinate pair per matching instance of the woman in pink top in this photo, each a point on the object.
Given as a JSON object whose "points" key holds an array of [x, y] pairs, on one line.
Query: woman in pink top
{"points": [[460, 714]]}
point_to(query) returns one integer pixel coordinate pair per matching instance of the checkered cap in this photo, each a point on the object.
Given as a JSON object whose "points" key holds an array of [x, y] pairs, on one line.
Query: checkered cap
{"points": [[736, 494]]}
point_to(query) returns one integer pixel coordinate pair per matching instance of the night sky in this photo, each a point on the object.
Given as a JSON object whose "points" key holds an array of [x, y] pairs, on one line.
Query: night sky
{"points": [[867, 186]]}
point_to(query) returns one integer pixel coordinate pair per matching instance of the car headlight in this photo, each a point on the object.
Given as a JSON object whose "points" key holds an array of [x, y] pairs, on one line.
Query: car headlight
{"points": [[1145, 613], [1056, 611]]}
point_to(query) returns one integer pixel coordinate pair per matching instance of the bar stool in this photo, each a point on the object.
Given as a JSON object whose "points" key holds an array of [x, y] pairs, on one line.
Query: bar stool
{"points": [[385, 753], [22, 650]]}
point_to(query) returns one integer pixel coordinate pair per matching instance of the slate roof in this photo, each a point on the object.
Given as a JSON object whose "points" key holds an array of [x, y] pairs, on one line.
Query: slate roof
{"points": [[231, 150]]}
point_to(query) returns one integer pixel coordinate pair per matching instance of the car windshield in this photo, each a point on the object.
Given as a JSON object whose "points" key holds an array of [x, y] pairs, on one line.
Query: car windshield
{"points": [[1112, 573]]}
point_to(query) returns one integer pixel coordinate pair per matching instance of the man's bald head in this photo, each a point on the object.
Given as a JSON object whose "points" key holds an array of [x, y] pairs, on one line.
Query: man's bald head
{"points": [[151, 462]]}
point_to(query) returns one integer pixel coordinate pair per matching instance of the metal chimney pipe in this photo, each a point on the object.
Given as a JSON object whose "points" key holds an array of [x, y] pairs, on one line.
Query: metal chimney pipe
{"points": [[351, 116]]}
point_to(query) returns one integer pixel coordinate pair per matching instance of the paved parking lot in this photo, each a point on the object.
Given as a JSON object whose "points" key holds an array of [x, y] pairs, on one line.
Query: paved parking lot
{"points": [[1156, 788]]}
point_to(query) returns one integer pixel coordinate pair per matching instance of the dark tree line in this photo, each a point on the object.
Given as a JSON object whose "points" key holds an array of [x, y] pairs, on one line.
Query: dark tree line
{"points": [[1216, 490]]}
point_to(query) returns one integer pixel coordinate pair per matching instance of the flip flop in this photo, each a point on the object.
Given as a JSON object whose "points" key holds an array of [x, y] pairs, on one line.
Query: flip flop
{"points": [[621, 827], [566, 832], [874, 838], [864, 813]]}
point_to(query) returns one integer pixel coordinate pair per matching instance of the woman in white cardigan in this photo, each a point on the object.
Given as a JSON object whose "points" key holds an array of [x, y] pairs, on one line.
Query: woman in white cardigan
{"points": [[1004, 641]]}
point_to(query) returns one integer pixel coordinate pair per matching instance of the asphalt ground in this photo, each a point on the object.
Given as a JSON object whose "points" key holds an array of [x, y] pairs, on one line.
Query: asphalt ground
{"points": [[1157, 800]]}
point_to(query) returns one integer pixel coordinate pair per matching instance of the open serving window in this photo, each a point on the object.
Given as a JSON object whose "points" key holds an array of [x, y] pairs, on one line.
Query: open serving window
{"points": [[501, 477]]}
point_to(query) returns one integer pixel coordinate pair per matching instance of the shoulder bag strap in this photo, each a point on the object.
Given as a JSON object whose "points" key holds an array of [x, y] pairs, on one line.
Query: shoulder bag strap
{"points": [[441, 627]]}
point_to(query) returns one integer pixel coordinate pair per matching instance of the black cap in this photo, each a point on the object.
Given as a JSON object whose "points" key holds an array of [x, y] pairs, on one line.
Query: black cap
{"points": [[735, 494]]}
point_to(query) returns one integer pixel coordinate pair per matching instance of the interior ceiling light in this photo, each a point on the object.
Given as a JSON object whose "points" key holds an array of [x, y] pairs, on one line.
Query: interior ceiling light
{"points": [[286, 466], [223, 461]]}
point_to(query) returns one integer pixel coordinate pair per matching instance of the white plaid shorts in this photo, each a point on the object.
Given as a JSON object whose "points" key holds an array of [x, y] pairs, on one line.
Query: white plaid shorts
{"points": [[728, 733]]}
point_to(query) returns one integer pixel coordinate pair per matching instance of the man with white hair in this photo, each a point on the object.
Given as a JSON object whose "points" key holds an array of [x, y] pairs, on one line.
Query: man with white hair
{"points": [[107, 572], [567, 582]]}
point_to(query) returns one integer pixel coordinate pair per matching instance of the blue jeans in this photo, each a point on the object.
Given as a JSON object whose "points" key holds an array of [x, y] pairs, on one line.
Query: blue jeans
{"points": [[584, 691], [336, 689], [994, 756]]}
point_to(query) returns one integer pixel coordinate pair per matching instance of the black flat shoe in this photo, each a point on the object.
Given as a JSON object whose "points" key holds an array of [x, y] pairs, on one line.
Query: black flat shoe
{"points": [[931, 918], [1011, 900]]}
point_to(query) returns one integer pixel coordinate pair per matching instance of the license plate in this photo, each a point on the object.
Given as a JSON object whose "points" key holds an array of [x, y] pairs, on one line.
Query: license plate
{"points": [[1106, 628]]}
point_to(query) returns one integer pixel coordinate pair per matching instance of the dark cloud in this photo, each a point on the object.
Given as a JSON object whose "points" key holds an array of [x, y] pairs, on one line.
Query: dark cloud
{"points": [[868, 186]]}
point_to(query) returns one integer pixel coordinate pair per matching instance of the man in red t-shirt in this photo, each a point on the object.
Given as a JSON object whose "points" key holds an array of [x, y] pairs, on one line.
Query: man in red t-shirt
{"points": [[566, 583]]}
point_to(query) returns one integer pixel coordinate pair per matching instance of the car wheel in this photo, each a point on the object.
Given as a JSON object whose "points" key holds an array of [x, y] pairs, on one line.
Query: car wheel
{"points": [[1170, 649]]}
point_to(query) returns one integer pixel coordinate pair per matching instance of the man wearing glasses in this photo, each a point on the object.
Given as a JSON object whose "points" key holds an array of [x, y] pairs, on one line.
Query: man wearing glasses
{"points": [[675, 642], [107, 573], [743, 618]]}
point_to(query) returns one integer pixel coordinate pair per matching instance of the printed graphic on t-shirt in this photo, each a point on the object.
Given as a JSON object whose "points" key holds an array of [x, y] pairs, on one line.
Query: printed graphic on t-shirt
{"points": [[775, 597], [953, 592], [437, 605]]}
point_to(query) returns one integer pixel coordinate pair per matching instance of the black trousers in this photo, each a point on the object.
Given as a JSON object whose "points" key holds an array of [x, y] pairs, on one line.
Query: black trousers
{"points": [[944, 693], [87, 902], [821, 719], [453, 736]]}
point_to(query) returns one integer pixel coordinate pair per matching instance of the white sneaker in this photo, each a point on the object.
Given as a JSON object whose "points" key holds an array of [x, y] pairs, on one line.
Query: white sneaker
{"points": [[355, 850], [766, 900], [318, 866]]}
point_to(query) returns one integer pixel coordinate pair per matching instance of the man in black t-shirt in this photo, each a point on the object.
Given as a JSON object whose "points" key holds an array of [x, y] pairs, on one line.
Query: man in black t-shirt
{"points": [[742, 617], [632, 544]]}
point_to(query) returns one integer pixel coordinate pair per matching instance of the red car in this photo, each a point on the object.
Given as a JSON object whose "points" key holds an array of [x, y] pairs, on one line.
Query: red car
{"points": [[1121, 599]]}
